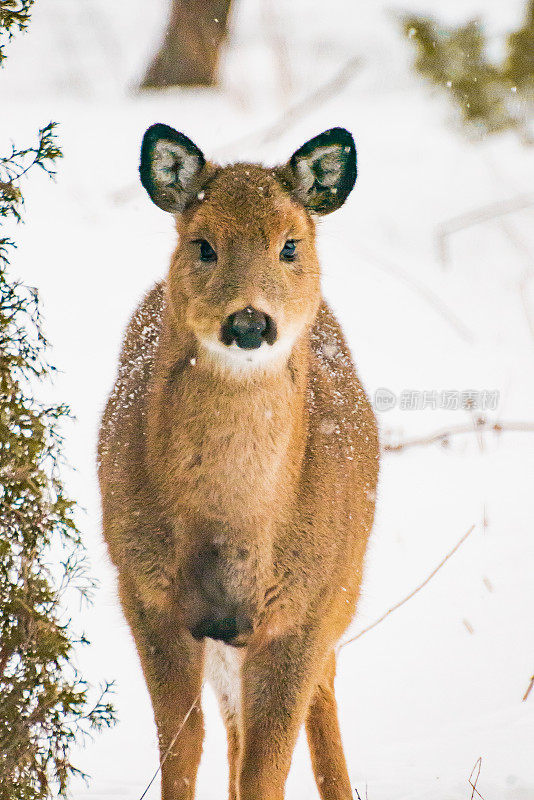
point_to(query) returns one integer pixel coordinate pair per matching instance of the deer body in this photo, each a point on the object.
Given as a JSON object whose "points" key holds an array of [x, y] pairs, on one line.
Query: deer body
{"points": [[238, 466]]}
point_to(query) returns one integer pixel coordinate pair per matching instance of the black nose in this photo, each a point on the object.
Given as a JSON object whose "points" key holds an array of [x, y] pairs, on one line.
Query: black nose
{"points": [[248, 328]]}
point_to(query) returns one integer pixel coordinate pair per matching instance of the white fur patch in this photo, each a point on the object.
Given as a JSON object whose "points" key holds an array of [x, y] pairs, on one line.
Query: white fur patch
{"points": [[239, 359], [164, 164], [222, 668], [330, 159]]}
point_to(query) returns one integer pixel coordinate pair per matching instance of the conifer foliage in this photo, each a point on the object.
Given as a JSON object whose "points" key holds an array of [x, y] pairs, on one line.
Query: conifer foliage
{"points": [[490, 96], [45, 705], [14, 15]]}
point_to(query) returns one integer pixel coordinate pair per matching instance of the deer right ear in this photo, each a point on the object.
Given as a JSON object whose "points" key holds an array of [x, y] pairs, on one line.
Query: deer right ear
{"points": [[322, 172], [170, 167]]}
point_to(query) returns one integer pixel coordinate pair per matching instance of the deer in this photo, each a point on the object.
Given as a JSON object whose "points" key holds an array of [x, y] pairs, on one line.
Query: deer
{"points": [[238, 464]]}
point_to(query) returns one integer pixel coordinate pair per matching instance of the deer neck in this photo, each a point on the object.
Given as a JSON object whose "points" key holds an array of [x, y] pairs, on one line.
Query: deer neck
{"points": [[227, 444]]}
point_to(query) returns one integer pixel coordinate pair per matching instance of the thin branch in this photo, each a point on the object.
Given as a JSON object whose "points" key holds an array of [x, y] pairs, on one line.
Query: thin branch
{"points": [[475, 217], [519, 244], [529, 689], [5, 655], [527, 257], [476, 772], [300, 109], [423, 291], [173, 742], [412, 593], [443, 436], [105, 688], [281, 55], [523, 285]]}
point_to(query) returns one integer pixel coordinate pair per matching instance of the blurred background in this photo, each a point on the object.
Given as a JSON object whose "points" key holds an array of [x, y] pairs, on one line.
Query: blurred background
{"points": [[430, 269]]}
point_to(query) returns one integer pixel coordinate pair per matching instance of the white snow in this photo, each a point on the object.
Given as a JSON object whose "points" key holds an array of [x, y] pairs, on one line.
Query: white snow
{"points": [[439, 683]]}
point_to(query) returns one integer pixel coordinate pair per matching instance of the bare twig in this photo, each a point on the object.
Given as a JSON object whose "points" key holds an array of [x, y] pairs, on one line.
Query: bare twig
{"points": [[5, 655], [173, 742], [529, 689], [412, 593], [281, 54], [469, 628], [300, 109], [528, 259], [478, 424], [423, 291], [444, 436], [523, 285], [475, 217], [521, 247], [476, 772]]}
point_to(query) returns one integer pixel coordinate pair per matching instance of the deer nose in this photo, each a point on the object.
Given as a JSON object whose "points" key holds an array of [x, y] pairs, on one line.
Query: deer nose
{"points": [[248, 328]]}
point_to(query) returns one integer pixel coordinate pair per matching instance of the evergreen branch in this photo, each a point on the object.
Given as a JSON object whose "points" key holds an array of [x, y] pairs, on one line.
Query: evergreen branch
{"points": [[18, 163], [491, 97], [13, 16], [45, 706]]}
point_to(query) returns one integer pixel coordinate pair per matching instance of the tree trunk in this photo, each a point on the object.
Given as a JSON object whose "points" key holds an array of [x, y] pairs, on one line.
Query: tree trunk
{"points": [[189, 53]]}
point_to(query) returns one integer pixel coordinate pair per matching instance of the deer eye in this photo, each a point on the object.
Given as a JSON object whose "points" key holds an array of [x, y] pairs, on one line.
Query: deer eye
{"points": [[207, 253], [288, 251]]}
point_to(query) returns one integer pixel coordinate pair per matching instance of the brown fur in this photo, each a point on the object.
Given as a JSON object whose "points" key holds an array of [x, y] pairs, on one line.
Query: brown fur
{"points": [[271, 473]]}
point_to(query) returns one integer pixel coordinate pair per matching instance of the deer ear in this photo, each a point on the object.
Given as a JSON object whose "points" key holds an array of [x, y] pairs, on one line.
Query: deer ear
{"points": [[322, 172], [170, 167]]}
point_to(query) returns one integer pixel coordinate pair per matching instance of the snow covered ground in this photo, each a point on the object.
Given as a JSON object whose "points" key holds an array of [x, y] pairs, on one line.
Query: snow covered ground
{"points": [[440, 682]]}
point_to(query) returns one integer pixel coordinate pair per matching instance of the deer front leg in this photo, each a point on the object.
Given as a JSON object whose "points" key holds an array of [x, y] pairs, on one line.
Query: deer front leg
{"points": [[172, 663], [324, 739], [232, 733], [277, 684]]}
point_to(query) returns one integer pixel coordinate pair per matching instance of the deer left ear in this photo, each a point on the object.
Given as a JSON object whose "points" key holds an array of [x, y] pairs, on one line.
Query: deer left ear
{"points": [[322, 172], [171, 167]]}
